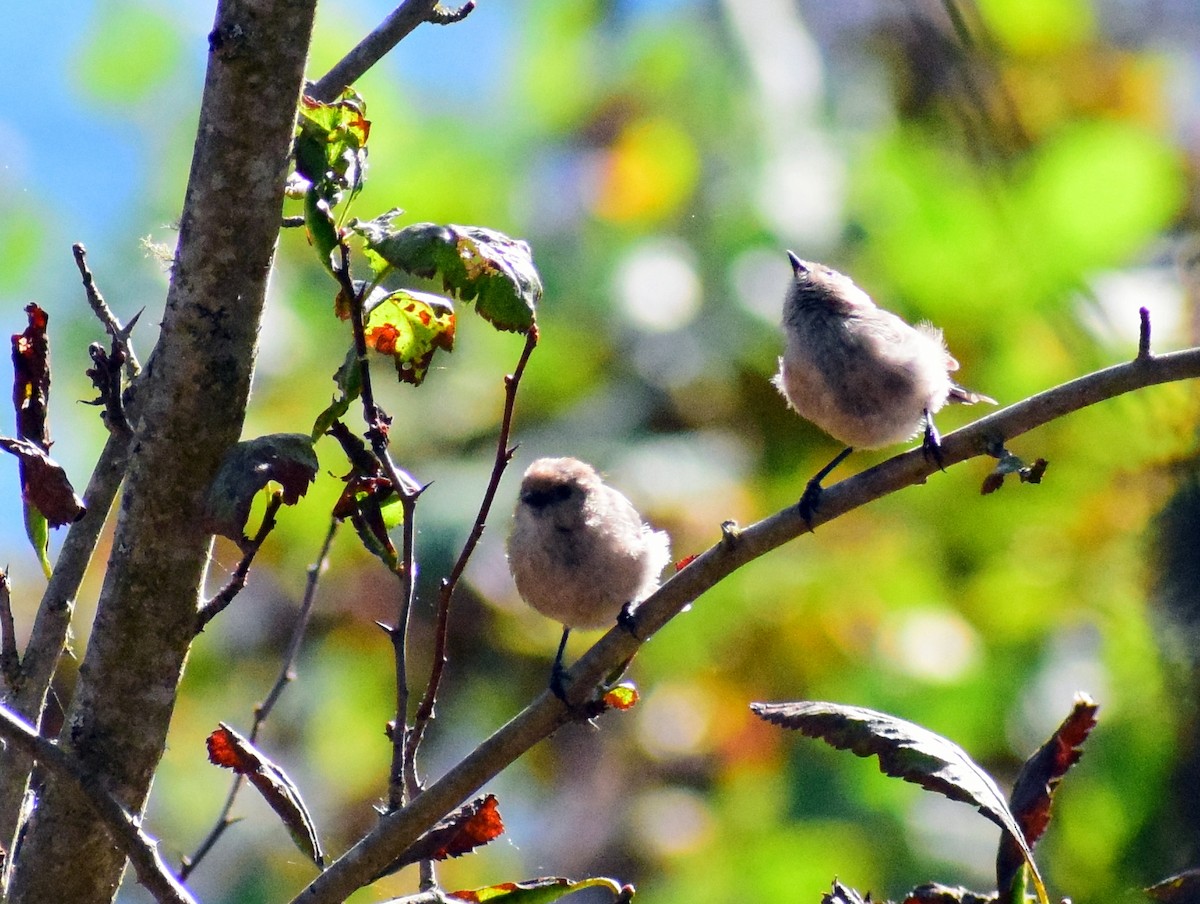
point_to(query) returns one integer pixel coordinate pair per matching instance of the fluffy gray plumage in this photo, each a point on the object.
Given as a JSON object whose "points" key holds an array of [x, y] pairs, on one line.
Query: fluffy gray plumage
{"points": [[860, 373], [578, 550]]}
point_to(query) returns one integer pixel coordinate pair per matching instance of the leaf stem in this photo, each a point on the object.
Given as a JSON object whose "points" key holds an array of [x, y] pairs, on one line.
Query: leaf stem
{"points": [[237, 582]]}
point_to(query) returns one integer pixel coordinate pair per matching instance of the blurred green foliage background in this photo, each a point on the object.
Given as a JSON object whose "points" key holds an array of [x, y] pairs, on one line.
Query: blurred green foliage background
{"points": [[1022, 173]]}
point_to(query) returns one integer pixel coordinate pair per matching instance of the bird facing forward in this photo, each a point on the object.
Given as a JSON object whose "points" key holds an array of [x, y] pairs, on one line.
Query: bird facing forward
{"points": [[579, 551]]}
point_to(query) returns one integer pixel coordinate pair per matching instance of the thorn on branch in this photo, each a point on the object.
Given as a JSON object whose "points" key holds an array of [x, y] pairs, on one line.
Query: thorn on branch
{"points": [[729, 534], [120, 335], [1143, 352]]}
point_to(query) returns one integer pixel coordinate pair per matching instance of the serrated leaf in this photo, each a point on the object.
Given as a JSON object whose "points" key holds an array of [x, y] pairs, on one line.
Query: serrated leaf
{"points": [[331, 144], [1033, 791], [228, 749], [475, 264], [470, 826], [285, 458], [908, 751], [409, 327], [541, 891]]}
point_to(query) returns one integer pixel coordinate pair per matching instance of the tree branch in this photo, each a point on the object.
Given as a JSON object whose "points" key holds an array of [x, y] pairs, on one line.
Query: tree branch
{"points": [[191, 402], [52, 623], [375, 46], [10, 659], [119, 334], [396, 831], [140, 848], [237, 582]]}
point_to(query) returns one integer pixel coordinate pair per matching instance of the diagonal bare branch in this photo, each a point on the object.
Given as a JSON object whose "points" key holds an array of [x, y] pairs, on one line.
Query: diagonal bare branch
{"points": [[140, 848], [375, 46], [398, 830]]}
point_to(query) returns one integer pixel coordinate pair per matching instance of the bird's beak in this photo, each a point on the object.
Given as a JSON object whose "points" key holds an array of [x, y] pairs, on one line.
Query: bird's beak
{"points": [[798, 266]]}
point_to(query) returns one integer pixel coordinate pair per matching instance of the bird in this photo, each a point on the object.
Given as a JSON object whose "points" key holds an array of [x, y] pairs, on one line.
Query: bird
{"points": [[860, 373], [578, 550]]}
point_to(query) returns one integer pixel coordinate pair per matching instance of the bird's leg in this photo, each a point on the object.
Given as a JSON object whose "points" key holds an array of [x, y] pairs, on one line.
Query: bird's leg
{"points": [[812, 491], [931, 443], [558, 672]]}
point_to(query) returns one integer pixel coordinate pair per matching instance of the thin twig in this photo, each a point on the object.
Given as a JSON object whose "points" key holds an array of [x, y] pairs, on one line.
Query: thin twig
{"points": [[10, 659], [286, 671], [409, 490], [237, 582], [504, 454], [396, 831], [48, 637], [1143, 333], [375, 46], [125, 831], [119, 334], [403, 782], [263, 710]]}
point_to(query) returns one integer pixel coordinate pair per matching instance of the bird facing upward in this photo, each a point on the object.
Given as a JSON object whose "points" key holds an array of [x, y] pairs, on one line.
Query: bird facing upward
{"points": [[860, 373]]}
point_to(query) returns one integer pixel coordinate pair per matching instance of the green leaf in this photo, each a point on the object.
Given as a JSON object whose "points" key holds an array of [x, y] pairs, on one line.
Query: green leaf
{"points": [[322, 231], [286, 458], [906, 751], [410, 326], [475, 264], [331, 145], [349, 383], [541, 891], [37, 529]]}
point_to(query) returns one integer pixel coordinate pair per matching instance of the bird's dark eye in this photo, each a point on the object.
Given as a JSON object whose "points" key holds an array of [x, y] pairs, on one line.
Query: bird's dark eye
{"points": [[541, 498]]}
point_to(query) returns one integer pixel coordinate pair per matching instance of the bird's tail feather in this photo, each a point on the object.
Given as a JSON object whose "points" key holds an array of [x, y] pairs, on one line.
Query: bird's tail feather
{"points": [[964, 396]]}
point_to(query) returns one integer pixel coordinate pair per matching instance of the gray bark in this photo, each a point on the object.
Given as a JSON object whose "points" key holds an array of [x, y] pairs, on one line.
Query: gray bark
{"points": [[191, 403]]}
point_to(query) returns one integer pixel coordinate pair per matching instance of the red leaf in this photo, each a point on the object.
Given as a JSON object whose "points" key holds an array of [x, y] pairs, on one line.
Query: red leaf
{"points": [[230, 750], [31, 378], [1033, 791], [473, 826]]}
